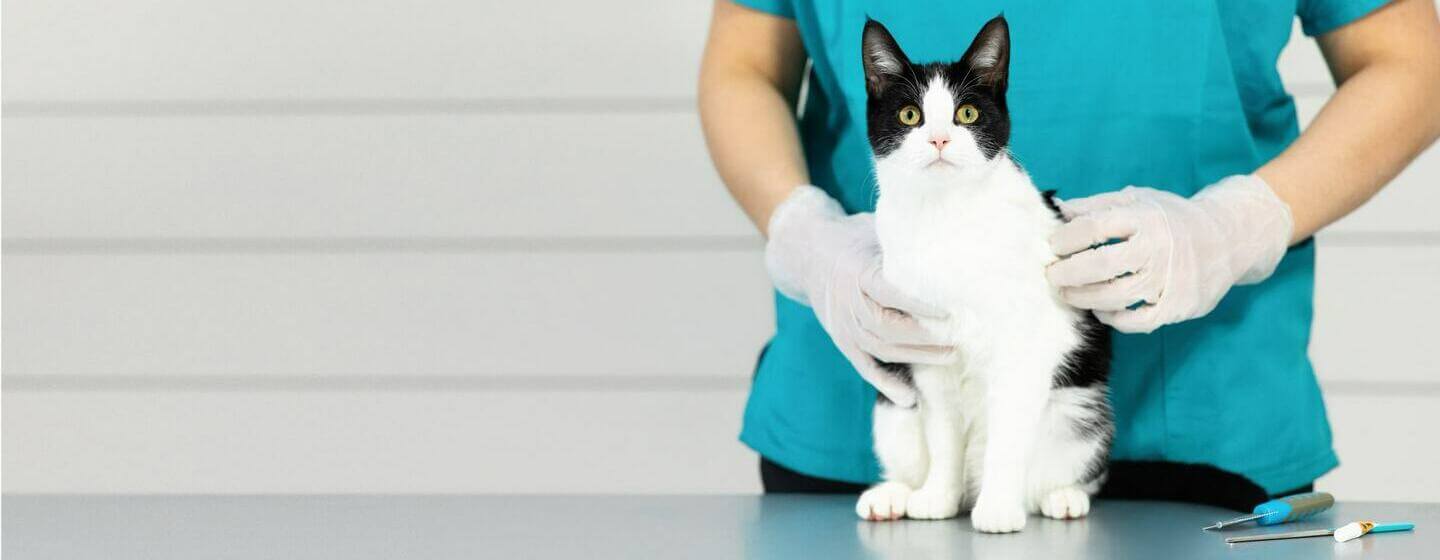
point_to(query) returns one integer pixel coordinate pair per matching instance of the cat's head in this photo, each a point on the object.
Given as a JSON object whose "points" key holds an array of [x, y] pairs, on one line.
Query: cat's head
{"points": [[942, 121]]}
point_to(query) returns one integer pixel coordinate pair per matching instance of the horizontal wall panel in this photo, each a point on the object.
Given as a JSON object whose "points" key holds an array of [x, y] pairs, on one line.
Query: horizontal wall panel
{"points": [[376, 442], [155, 50], [1386, 446], [419, 177], [363, 177], [512, 314], [1302, 67], [1403, 206], [448, 314], [152, 50], [238, 442], [1375, 313]]}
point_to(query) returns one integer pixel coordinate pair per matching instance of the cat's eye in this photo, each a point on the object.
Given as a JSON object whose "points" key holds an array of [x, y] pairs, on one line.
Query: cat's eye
{"points": [[910, 115], [967, 114]]}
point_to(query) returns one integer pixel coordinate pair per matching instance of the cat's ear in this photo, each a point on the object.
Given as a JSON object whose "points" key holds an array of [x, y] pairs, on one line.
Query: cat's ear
{"points": [[989, 55], [884, 61]]}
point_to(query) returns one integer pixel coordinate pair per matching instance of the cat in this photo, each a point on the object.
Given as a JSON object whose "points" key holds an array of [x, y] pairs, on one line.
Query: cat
{"points": [[1021, 422]]}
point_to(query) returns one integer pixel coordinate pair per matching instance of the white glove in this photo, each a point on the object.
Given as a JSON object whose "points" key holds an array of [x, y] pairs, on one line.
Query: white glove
{"points": [[1176, 256], [823, 258]]}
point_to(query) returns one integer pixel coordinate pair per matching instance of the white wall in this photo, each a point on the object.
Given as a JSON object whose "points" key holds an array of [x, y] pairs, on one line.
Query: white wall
{"points": [[305, 247]]}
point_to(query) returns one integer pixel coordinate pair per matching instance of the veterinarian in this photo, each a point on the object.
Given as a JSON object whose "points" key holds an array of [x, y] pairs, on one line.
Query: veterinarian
{"points": [[1211, 285]]}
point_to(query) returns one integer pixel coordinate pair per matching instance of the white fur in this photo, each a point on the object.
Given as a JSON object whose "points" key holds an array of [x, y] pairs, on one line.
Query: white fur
{"points": [[971, 235], [987, 55], [884, 61]]}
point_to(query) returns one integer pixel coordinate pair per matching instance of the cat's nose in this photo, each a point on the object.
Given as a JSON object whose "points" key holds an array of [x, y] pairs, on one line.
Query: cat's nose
{"points": [[939, 142]]}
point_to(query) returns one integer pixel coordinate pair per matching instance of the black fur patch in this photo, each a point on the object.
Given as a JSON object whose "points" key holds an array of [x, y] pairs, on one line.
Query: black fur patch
{"points": [[978, 78], [899, 371], [1049, 198], [1100, 425], [1087, 365]]}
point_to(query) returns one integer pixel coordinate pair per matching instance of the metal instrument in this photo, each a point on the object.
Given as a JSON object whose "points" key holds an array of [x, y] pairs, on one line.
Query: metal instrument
{"points": [[1283, 510]]}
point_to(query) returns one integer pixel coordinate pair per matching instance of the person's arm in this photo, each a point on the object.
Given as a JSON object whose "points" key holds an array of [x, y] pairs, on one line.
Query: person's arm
{"points": [[816, 254], [1177, 257], [749, 79], [1385, 112]]}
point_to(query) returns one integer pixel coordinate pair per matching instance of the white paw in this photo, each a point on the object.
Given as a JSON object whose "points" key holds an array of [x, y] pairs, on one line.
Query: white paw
{"points": [[883, 502], [991, 516], [932, 503], [1065, 503]]}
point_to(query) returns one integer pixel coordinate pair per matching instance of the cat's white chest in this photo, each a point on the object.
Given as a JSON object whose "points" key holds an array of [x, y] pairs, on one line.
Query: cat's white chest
{"points": [[969, 257], [982, 258]]}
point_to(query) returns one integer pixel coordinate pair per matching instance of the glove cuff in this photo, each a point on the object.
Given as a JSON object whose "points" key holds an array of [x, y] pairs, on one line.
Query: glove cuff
{"points": [[790, 251], [1259, 224]]}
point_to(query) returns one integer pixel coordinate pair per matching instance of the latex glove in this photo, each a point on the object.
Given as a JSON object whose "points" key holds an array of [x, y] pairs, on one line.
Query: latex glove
{"points": [[820, 257], [1176, 256]]}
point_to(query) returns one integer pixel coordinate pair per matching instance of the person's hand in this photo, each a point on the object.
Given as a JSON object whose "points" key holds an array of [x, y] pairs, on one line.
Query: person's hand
{"points": [[1175, 257], [820, 257]]}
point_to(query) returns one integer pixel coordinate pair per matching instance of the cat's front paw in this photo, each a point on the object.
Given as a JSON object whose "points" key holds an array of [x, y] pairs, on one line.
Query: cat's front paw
{"points": [[1065, 503], [993, 516], [884, 502], [933, 503]]}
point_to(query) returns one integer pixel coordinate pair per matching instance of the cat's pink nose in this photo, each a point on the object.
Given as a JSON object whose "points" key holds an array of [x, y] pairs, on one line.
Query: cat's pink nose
{"points": [[939, 142]]}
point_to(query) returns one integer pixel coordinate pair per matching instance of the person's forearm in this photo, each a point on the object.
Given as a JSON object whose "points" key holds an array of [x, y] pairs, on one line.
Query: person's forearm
{"points": [[1376, 123], [750, 131], [746, 110], [1383, 115]]}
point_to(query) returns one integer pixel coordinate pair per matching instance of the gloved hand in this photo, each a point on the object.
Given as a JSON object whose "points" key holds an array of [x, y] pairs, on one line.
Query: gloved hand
{"points": [[823, 258], [1178, 256]]}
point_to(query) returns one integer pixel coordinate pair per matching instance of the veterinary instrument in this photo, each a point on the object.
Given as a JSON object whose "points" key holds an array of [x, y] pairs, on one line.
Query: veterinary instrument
{"points": [[1361, 528], [1283, 510], [1348, 532]]}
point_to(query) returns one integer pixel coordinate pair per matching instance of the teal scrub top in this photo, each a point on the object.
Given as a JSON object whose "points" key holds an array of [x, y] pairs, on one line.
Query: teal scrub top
{"points": [[1173, 95]]}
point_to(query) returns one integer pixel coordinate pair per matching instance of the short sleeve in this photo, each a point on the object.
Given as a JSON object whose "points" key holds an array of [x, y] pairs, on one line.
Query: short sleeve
{"points": [[782, 8], [1318, 17]]}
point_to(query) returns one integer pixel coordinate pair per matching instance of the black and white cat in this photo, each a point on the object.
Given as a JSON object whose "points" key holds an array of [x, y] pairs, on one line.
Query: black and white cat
{"points": [[1021, 422]]}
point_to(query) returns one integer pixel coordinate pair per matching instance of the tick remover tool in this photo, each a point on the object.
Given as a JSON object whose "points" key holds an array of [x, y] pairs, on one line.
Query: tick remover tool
{"points": [[1349, 532], [1283, 510]]}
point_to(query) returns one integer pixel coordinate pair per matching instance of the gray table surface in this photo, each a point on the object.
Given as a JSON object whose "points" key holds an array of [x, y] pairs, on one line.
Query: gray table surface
{"points": [[428, 527]]}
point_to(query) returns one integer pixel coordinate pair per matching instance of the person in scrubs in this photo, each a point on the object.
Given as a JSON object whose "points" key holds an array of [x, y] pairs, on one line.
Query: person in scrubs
{"points": [[1163, 125]]}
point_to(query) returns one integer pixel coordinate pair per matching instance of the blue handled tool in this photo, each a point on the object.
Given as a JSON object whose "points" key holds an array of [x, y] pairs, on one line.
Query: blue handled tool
{"points": [[1283, 510]]}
